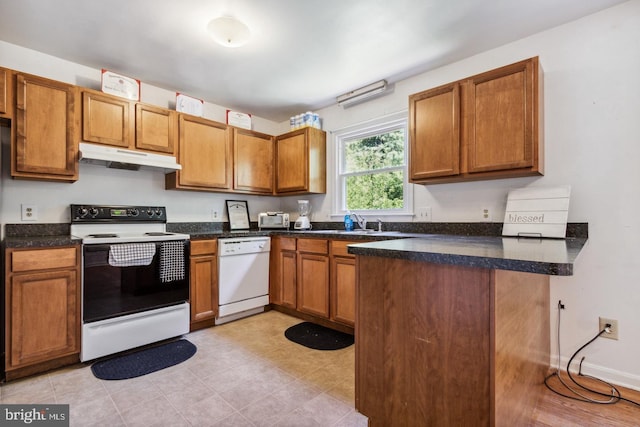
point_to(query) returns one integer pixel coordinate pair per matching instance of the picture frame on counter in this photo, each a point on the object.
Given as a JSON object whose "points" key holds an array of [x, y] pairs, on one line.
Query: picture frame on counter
{"points": [[238, 214]]}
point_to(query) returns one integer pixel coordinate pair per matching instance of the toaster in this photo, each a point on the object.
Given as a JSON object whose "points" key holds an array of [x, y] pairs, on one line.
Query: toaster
{"points": [[273, 220]]}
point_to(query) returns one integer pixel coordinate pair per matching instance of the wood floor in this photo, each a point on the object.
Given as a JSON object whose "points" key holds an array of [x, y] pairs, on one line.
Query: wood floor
{"points": [[557, 411]]}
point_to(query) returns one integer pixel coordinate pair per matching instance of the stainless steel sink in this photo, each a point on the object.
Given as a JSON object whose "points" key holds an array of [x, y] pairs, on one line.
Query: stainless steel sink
{"points": [[359, 232]]}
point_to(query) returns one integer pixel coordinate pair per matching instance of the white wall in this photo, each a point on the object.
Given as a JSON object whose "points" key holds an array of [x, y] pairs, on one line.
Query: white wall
{"points": [[592, 127], [592, 111], [97, 184]]}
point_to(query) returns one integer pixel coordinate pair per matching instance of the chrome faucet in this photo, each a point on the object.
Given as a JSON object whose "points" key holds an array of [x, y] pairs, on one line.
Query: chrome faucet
{"points": [[379, 225], [362, 222]]}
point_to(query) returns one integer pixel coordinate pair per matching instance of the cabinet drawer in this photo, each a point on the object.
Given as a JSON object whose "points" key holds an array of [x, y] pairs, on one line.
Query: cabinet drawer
{"points": [[288, 243], [203, 247], [43, 259], [339, 247], [316, 246]]}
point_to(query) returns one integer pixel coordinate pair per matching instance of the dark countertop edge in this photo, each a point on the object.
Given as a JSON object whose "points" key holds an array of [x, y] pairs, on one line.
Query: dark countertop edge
{"points": [[40, 241], [548, 268]]}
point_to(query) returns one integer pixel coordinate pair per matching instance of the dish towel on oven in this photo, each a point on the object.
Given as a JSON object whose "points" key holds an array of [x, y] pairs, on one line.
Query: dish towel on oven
{"points": [[171, 261], [129, 254]]}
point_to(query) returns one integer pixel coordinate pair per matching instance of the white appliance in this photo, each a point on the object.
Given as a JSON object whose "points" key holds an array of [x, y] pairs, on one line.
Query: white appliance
{"points": [[243, 277], [273, 220], [303, 222], [138, 301], [120, 158]]}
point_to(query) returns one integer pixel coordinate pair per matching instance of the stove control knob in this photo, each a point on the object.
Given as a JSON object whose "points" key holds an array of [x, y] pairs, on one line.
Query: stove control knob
{"points": [[93, 212], [159, 212], [83, 212], [149, 212], [134, 212]]}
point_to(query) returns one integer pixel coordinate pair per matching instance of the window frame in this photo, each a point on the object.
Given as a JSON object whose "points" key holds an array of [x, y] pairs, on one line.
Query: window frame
{"points": [[377, 126]]}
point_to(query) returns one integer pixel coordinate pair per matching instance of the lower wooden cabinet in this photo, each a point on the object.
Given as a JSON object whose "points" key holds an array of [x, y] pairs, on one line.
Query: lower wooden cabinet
{"points": [[315, 277], [42, 297], [203, 283]]}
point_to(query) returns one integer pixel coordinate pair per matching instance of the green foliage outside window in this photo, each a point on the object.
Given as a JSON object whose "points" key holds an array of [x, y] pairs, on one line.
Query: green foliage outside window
{"points": [[374, 171]]}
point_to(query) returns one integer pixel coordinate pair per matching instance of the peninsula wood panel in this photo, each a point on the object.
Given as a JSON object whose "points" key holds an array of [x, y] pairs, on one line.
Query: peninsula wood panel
{"points": [[45, 135], [448, 345]]}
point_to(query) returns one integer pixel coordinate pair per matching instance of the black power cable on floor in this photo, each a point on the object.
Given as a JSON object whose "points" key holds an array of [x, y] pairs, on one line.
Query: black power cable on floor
{"points": [[613, 397]]}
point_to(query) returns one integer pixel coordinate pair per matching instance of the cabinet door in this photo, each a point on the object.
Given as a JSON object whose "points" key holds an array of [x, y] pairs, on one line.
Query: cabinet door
{"points": [[313, 284], [44, 142], [155, 129], [434, 128], [106, 119], [253, 161], [301, 162], [204, 287], [44, 317], [204, 152], [288, 268], [501, 131], [5, 93], [343, 290]]}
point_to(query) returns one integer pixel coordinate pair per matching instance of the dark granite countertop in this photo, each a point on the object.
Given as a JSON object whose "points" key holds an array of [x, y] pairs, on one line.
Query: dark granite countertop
{"points": [[543, 256]]}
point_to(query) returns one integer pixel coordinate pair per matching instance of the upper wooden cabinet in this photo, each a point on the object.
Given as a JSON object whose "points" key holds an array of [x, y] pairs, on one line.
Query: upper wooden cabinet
{"points": [[116, 121], [252, 161], [204, 151], [300, 162], [484, 127], [155, 129], [106, 119], [45, 130], [6, 92]]}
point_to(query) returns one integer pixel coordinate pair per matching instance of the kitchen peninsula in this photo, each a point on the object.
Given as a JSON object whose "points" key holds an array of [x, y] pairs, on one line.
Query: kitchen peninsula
{"points": [[454, 330]]}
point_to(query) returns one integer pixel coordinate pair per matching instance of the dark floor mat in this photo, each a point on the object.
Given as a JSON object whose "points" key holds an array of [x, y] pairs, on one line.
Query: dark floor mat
{"points": [[318, 337], [145, 361]]}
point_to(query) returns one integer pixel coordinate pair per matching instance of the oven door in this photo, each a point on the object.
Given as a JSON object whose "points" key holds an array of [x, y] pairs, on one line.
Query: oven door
{"points": [[110, 291]]}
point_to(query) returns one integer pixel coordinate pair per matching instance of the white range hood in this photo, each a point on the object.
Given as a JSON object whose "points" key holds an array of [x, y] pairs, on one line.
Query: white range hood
{"points": [[119, 158]]}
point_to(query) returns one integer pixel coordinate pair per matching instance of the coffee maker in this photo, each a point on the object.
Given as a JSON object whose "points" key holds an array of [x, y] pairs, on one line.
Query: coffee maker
{"points": [[303, 222]]}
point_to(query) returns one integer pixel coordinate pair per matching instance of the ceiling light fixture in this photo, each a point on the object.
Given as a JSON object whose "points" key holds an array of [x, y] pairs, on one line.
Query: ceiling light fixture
{"points": [[229, 31], [362, 94]]}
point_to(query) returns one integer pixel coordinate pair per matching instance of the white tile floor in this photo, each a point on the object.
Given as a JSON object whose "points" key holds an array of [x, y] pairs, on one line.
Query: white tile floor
{"points": [[245, 373]]}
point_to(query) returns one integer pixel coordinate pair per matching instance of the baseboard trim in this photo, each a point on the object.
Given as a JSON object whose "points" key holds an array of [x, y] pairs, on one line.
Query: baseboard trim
{"points": [[618, 378]]}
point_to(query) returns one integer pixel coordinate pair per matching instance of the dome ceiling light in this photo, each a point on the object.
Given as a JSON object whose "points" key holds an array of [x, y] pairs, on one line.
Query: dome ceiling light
{"points": [[229, 31]]}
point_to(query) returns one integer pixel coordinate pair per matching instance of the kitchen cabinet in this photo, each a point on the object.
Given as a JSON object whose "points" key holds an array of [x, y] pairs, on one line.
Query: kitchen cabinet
{"points": [[300, 162], [42, 296], [343, 283], [115, 121], [44, 143], [486, 126], [252, 162], [155, 129], [283, 272], [205, 153], [107, 119], [313, 277], [203, 283], [6, 92]]}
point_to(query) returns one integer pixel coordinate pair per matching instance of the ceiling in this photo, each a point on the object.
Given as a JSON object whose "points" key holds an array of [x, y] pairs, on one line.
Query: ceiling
{"points": [[302, 53]]}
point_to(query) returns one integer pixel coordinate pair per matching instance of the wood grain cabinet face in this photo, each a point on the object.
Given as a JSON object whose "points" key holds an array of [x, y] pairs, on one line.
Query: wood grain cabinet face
{"points": [[45, 142], [283, 272], [343, 283], [300, 162], [253, 162], [204, 151], [204, 282], [6, 99], [42, 306], [484, 127], [106, 119], [313, 277], [155, 129]]}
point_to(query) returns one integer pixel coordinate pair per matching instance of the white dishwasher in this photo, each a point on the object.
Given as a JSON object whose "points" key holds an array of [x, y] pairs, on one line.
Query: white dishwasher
{"points": [[243, 276]]}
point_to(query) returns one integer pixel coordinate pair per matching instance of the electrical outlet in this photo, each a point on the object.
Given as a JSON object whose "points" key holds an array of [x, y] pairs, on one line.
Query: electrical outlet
{"points": [[423, 214], [613, 329], [215, 214], [29, 212], [485, 215]]}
